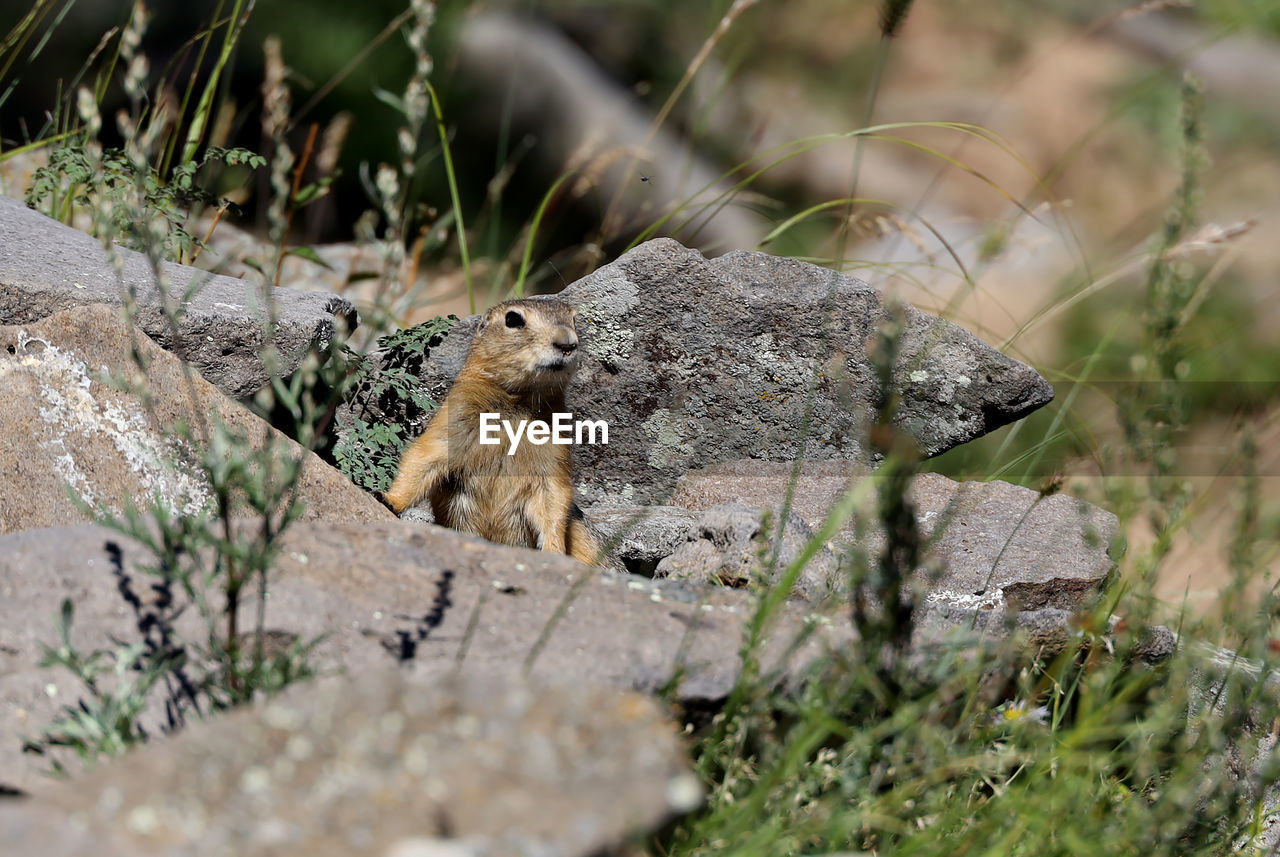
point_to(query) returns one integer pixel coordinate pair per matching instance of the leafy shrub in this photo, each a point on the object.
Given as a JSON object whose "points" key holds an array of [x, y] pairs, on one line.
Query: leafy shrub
{"points": [[391, 404], [72, 178]]}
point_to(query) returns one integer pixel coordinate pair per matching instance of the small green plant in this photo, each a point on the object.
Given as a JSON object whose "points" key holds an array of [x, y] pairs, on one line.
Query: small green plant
{"points": [[392, 404], [107, 722], [213, 564], [881, 592], [73, 178], [207, 639], [1156, 411]]}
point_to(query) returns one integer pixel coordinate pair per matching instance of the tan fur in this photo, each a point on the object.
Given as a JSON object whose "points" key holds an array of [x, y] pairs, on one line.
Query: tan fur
{"points": [[525, 499]]}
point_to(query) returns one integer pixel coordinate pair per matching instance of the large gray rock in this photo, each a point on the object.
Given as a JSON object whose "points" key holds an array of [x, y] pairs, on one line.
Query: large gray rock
{"points": [[734, 545], [640, 537], [46, 267], [430, 599], [433, 599], [819, 487], [693, 360], [436, 601], [64, 424], [380, 765], [997, 546]]}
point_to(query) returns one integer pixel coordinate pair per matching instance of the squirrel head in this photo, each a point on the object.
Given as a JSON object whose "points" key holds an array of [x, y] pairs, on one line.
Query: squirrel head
{"points": [[526, 345]]}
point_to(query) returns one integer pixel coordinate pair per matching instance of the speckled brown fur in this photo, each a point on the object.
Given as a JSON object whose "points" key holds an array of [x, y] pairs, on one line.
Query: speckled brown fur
{"points": [[521, 359]]}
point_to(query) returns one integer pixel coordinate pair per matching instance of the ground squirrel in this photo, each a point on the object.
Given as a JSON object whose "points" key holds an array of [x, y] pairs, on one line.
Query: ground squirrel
{"points": [[522, 356]]}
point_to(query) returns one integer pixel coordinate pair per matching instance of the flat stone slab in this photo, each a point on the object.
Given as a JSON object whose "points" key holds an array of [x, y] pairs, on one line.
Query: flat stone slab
{"points": [[64, 425], [997, 545], [431, 600], [435, 601], [738, 545], [46, 267], [641, 537], [381, 764], [695, 361]]}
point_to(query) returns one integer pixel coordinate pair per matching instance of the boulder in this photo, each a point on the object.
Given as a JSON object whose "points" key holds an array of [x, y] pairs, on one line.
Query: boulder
{"points": [[694, 360], [380, 764], [996, 545], [66, 425], [432, 600], [436, 601], [46, 267], [733, 545], [639, 537], [819, 487]]}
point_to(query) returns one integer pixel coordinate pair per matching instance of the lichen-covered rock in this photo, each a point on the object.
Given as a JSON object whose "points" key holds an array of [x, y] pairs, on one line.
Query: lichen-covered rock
{"points": [[639, 537], [819, 487], [46, 267], [695, 361], [995, 547], [376, 765], [737, 545], [66, 425]]}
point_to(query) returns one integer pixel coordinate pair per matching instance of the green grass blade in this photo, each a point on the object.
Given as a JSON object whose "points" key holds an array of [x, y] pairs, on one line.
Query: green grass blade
{"points": [[200, 120], [454, 195], [533, 232]]}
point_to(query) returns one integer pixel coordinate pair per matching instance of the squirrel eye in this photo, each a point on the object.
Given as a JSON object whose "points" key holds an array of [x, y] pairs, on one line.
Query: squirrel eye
{"points": [[514, 319]]}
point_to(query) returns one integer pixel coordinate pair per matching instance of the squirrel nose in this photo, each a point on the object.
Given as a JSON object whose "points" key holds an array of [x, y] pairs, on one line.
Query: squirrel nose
{"points": [[566, 342]]}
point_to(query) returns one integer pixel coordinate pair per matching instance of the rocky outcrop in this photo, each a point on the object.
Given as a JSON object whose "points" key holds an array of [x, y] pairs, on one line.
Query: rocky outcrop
{"points": [[737, 545], [68, 424], [381, 765], [221, 322], [433, 740], [695, 361], [995, 546], [436, 601], [991, 548], [432, 600], [638, 538]]}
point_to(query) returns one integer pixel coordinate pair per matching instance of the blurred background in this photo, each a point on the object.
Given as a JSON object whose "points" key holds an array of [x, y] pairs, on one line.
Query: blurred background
{"points": [[1039, 172]]}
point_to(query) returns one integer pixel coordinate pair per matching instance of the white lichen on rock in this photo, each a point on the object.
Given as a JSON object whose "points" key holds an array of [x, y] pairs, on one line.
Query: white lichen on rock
{"points": [[612, 339], [770, 364], [991, 599], [66, 468], [77, 405], [669, 445]]}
